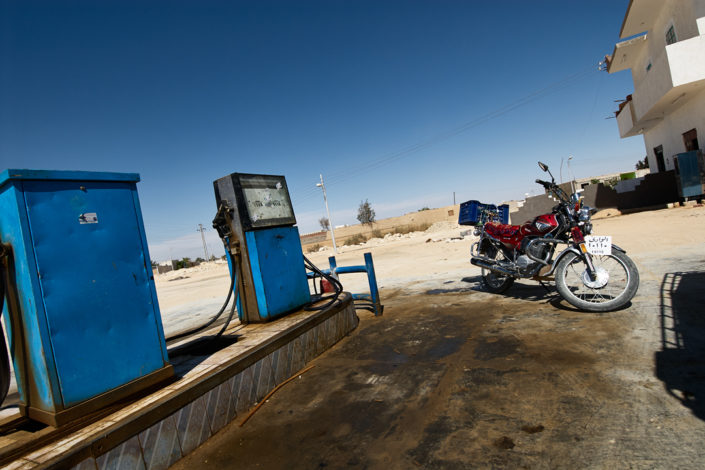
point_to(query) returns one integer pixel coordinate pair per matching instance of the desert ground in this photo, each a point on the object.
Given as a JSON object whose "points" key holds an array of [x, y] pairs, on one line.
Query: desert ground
{"points": [[454, 377], [438, 258]]}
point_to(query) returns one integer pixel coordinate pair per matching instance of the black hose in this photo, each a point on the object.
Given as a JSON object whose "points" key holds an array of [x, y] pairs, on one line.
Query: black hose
{"points": [[4, 359], [230, 315], [317, 298], [217, 315]]}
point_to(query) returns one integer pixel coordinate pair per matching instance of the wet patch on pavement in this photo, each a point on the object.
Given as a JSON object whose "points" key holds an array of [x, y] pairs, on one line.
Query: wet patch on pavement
{"points": [[452, 380]]}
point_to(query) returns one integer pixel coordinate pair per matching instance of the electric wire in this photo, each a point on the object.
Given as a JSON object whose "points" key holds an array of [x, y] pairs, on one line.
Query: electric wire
{"points": [[349, 173], [468, 125]]}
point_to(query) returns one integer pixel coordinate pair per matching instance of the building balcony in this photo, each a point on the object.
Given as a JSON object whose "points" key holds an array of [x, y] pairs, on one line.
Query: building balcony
{"points": [[626, 120], [674, 77]]}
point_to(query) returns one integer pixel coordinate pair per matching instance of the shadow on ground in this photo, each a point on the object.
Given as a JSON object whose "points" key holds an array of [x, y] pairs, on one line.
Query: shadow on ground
{"points": [[680, 364]]}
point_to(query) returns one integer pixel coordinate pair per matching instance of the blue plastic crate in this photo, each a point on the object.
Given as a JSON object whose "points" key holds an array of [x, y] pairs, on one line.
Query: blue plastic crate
{"points": [[475, 212]]}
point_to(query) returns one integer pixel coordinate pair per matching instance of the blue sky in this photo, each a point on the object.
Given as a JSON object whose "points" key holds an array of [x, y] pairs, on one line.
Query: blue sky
{"points": [[398, 102]]}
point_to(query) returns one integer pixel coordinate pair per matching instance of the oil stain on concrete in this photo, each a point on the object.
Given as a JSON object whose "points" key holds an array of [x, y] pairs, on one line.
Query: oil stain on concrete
{"points": [[468, 380]]}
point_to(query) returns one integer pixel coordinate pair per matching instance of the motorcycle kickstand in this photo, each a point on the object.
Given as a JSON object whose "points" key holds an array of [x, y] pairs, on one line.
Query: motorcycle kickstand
{"points": [[545, 287]]}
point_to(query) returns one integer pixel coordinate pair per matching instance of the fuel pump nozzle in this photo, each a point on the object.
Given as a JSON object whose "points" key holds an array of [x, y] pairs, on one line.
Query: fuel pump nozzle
{"points": [[222, 223]]}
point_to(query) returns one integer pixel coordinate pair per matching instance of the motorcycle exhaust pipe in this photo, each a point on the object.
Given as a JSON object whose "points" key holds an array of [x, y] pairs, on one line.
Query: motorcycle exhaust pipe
{"points": [[492, 267]]}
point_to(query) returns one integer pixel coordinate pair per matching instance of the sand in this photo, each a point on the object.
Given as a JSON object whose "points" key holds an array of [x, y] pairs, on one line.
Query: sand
{"points": [[436, 258]]}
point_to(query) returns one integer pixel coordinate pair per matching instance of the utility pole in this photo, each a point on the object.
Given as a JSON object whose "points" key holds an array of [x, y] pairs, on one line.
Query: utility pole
{"points": [[453, 197], [203, 237], [330, 222]]}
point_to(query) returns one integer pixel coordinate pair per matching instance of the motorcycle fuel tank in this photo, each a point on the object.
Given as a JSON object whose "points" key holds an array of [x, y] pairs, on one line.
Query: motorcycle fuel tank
{"points": [[512, 235]]}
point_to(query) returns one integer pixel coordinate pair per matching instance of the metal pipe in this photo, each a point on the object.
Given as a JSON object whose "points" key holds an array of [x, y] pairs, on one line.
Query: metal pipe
{"points": [[369, 268], [372, 279], [491, 267]]}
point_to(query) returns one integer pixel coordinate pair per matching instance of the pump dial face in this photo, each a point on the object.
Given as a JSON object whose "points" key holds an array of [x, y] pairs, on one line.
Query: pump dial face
{"points": [[267, 203], [267, 199]]}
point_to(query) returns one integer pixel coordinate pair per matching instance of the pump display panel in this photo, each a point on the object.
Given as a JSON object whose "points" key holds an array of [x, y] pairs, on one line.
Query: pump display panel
{"points": [[262, 201]]}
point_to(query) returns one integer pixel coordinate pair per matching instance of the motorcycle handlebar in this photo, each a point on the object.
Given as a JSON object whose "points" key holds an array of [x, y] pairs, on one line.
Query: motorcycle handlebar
{"points": [[555, 189]]}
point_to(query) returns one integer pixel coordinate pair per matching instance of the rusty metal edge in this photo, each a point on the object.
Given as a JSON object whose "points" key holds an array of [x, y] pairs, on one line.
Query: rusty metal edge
{"points": [[86, 413], [95, 404], [115, 435]]}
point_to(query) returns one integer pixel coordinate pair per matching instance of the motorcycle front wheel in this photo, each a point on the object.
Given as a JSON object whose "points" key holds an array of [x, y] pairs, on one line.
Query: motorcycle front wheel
{"points": [[615, 283]]}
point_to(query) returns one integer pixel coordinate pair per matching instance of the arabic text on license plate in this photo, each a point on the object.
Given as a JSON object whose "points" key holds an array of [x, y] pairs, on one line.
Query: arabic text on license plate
{"points": [[599, 245]]}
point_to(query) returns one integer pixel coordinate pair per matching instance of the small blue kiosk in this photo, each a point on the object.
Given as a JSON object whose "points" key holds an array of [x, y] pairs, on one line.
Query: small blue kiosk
{"points": [[270, 273], [81, 311]]}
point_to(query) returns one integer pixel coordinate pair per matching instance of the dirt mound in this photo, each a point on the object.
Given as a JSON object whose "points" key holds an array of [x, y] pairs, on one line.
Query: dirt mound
{"points": [[440, 226]]}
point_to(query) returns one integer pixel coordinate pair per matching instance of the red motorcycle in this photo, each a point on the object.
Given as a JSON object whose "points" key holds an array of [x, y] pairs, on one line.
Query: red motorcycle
{"points": [[590, 272]]}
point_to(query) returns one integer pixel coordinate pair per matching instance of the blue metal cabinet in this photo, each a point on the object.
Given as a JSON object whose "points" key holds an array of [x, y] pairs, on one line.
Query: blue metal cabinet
{"points": [[82, 314], [690, 172], [278, 271]]}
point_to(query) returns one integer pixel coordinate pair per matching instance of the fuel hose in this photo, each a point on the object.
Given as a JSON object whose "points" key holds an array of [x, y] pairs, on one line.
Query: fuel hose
{"points": [[4, 359], [337, 286], [231, 289]]}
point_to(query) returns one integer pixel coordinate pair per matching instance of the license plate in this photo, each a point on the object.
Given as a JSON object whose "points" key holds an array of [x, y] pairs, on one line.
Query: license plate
{"points": [[599, 245]]}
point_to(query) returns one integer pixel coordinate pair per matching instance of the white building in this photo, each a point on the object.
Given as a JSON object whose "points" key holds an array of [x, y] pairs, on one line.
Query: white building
{"points": [[666, 54]]}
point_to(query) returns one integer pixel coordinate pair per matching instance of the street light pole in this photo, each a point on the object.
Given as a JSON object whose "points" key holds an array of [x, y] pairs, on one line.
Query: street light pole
{"points": [[330, 222]]}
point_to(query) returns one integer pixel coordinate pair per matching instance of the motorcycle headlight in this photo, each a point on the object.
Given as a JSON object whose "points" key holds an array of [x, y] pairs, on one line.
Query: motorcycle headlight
{"points": [[584, 214]]}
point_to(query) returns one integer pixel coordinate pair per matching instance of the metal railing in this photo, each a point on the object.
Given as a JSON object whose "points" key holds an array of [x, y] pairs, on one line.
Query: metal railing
{"points": [[369, 301]]}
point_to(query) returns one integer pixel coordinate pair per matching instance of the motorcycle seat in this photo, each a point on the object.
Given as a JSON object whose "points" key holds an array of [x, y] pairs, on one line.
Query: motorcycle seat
{"points": [[497, 230]]}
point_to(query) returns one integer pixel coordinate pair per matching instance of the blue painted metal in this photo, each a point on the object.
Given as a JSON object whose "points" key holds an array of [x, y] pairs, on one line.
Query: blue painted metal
{"points": [[691, 173], [372, 280], [372, 300], [278, 272], [471, 212], [60, 175], [87, 302]]}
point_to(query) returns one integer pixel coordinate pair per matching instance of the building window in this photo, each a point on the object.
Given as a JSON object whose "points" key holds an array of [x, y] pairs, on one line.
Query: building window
{"points": [[690, 140], [671, 35]]}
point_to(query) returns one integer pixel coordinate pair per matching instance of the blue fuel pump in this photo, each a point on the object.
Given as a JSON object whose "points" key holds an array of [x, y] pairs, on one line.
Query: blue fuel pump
{"points": [[257, 224], [81, 307]]}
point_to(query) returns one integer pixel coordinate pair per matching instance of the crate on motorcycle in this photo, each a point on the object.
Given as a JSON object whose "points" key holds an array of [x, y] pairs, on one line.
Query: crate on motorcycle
{"points": [[475, 212]]}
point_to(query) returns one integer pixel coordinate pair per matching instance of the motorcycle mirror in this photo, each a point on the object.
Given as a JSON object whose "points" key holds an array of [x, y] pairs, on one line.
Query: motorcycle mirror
{"points": [[543, 166]]}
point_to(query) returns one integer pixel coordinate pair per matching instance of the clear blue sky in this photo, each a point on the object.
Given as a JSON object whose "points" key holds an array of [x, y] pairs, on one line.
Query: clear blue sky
{"points": [[186, 92]]}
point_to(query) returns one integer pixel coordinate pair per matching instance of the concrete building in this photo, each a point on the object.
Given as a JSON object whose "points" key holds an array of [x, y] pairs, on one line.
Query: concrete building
{"points": [[664, 48]]}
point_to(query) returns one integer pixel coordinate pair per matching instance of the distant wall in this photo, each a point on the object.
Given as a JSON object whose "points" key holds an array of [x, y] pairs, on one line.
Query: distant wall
{"points": [[165, 267], [655, 189], [315, 237], [408, 221], [533, 206]]}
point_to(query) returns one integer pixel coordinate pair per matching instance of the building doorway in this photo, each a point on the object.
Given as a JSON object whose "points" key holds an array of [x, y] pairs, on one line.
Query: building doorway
{"points": [[658, 152], [690, 139]]}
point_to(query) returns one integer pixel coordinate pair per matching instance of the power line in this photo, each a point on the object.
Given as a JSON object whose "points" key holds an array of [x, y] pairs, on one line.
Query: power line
{"points": [[349, 173]]}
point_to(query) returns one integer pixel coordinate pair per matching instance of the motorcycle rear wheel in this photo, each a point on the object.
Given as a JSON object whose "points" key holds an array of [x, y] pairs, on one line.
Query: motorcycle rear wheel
{"points": [[616, 283], [494, 282]]}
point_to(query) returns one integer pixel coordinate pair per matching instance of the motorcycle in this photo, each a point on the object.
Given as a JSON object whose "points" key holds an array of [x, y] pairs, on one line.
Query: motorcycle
{"points": [[590, 272]]}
